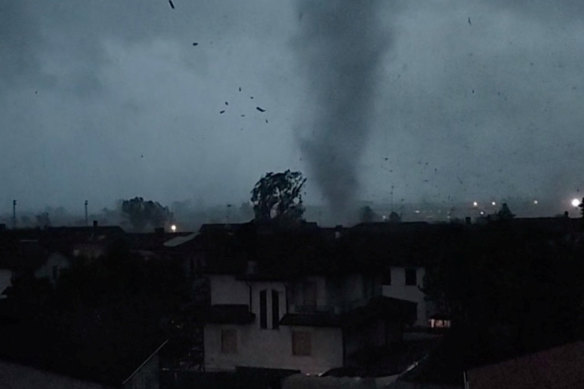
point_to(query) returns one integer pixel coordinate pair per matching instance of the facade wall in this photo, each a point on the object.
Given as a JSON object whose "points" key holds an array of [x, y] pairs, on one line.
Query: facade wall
{"points": [[256, 288], [336, 294], [225, 289], [16, 376], [399, 289], [296, 293], [268, 348]]}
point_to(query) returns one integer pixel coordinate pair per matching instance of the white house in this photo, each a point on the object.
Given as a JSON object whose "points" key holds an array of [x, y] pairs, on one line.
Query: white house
{"points": [[286, 302], [312, 324]]}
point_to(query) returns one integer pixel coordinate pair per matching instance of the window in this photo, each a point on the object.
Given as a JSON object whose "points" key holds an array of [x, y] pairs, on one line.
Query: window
{"points": [[263, 309], [275, 309], [411, 277], [301, 343], [229, 341]]}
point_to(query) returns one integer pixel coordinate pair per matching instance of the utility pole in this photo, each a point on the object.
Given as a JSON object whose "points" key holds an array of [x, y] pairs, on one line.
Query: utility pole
{"points": [[13, 214], [86, 218]]}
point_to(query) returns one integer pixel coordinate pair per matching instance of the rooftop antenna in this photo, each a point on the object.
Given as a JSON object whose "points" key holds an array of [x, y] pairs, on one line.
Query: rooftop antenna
{"points": [[86, 218], [14, 214]]}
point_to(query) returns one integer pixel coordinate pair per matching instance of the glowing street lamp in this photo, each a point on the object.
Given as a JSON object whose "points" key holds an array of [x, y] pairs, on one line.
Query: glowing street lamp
{"points": [[475, 204], [575, 203], [493, 203], [173, 228]]}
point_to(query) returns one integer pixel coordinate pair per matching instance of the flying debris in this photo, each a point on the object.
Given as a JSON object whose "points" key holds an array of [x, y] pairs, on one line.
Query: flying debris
{"points": [[266, 121], [222, 111], [240, 89], [195, 43], [469, 22], [260, 109], [242, 115], [227, 103], [171, 4], [251, 97]]}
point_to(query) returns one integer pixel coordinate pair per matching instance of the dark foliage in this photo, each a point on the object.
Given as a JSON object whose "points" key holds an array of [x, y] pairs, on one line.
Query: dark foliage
{"points": [[145, 213], [509, 291], [278, 196], [103, 316]]}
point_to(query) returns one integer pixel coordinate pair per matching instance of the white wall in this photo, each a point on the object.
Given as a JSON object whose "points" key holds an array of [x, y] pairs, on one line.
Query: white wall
{"points": [[273, 348], [225, 289], [399, 289], [268, 348]]}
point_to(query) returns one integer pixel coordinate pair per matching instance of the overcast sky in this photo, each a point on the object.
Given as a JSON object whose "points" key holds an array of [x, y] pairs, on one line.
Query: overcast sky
{"points": [[109, 99]]}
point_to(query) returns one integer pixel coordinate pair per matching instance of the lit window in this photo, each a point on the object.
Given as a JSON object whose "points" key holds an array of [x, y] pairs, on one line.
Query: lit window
{"points": [[301, 344], [440, 323]]}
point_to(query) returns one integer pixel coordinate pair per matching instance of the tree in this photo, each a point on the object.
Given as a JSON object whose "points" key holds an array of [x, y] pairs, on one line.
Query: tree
{"points": [[505, 213], [43, 220], [142, 213], [367, 215], [394, 217], [277, 196]]}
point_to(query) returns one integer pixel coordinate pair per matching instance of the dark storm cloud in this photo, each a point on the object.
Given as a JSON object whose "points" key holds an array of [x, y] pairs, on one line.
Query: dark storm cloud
{"points": [[553, 11], [491, 104], [340, 47], [20, 39], [108, 99]]}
